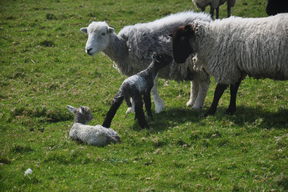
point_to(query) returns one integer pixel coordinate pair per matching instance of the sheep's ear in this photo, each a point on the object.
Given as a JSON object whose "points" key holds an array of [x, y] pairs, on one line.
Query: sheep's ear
{"points": [[110, 30], [71, 109], [188, 28], [83, 29]]}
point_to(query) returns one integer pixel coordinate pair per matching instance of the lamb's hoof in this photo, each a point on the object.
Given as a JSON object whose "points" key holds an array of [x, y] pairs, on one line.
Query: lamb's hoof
{"points": [[130, 110]]}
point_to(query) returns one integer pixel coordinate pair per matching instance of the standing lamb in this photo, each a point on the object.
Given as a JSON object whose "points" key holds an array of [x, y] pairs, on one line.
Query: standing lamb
{"points": [[232, 48], [131, 50], [276, 6], [92, 135], [214, 4], [138, 87]]}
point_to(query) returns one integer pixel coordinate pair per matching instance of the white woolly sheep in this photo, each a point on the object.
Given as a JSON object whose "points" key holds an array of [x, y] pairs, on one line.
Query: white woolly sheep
{"points": [[229, 49], [214, 4], [138, 87], [131, 50], [91, 135]]}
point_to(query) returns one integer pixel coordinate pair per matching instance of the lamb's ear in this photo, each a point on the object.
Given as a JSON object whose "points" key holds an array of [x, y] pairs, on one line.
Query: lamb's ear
{"points": [[71, 109], [83, 29], [110, 30]]}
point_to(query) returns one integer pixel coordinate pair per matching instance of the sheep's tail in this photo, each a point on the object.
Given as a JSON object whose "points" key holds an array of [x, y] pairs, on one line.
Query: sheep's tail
{"points": [[117, 101]]}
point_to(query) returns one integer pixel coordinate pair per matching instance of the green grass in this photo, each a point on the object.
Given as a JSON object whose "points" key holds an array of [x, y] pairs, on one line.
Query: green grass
{"points": [[43, 68]]}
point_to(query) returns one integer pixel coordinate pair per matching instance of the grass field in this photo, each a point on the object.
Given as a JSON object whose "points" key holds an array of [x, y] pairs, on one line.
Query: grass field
{"points": [[43, 68]]}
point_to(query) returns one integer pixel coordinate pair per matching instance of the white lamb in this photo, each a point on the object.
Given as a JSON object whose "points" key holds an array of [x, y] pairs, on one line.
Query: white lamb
{"points": [[214, 4], [229, 49], [132, 48], [91, 135]]}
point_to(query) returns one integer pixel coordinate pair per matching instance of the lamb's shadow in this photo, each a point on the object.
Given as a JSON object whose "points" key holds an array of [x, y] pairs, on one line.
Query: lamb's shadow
{"points": [[244, 116]]}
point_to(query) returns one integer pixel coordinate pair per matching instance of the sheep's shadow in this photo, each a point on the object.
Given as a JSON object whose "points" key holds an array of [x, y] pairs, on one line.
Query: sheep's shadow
{"points": [[244, 116], [257, 117], [171, 118]]}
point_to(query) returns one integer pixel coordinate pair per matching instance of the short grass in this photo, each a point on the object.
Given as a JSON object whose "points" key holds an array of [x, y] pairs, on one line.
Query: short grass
{"points": [[44, 68]]}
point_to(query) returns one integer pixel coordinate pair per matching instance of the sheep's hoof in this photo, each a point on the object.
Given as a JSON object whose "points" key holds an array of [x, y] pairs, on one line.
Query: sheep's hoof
{"points": [[159, 107], [230, 111], [190, 103]]}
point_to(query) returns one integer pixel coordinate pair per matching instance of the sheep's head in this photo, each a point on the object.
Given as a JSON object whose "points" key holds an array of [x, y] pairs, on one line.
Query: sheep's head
{"points": [[182, 40], [98, 37], [81, 115]]}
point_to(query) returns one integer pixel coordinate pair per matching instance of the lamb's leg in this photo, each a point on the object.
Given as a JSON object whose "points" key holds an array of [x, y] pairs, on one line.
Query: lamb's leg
{"points": [[233, 94], [193, 93], [131, 105], [118, 99], [139, 113], [220, 88], [203, 89], [159, 103], [147, 102]]}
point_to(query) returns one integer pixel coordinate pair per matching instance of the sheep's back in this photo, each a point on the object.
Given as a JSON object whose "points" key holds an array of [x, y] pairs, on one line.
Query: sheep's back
{"points": [[145, 38], [254, 46]]}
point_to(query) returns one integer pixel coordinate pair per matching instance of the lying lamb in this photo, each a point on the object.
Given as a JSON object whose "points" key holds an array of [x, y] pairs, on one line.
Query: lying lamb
{"points": [[132, 47], [136, 87], [232, 48], [92, 135]]}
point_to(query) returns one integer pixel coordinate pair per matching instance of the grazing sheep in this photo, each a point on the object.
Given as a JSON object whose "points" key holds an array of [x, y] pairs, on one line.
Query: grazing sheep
{"points": [[214, 4], [276, 6], [92, 135], [138, 87], [232, 48], [132, 47]]}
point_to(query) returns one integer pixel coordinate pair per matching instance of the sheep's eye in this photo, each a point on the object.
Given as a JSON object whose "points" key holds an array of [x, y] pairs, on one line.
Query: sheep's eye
{"points": [[103, 34]]}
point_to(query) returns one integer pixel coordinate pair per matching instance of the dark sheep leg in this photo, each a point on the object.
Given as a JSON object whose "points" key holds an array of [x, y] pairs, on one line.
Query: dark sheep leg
{"points": [[139, 113], [220, 88], [147, 102], [233, 94]]}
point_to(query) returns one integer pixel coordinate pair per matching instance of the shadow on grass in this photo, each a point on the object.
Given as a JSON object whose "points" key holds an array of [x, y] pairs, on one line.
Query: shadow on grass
{"points": [[171, 118], [258, 117], [244, 116]]}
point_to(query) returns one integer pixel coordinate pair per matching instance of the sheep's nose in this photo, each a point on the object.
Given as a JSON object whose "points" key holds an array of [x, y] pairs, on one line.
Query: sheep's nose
{"points": [[88, 51]]}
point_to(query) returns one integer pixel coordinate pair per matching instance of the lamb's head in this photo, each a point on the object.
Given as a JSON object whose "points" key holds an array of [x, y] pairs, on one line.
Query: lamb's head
{"points": [[183, 42], [98, 37], [161, 60], [81, 115]]}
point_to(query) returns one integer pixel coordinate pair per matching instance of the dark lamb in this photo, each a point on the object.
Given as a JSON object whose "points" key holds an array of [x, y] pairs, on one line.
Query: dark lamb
{"points": [[138, 87]]}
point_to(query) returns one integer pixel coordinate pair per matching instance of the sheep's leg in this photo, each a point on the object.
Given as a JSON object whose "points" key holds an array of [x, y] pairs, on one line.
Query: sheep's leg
{"points": [[233, 94], [212, 12], [203, 89], [229, 8], [220, 88], [118, 99], [147, 102], [159, 103], [139, 113], [193, 93], [217, 13]]}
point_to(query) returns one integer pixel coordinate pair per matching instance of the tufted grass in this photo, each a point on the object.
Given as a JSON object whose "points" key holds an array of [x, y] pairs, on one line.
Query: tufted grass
{"points": [[44, 68]]}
